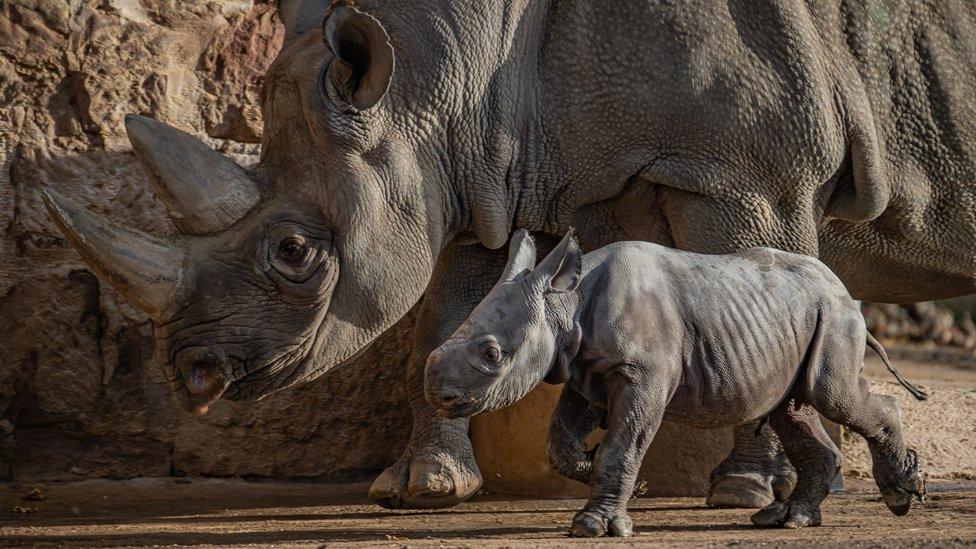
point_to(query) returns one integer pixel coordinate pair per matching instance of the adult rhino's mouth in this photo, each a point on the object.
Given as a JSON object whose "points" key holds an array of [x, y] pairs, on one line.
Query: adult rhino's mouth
{"points": [[202, 373], [459, 404], [272, 376], [199, 404], [196, 403], [197, 391]]}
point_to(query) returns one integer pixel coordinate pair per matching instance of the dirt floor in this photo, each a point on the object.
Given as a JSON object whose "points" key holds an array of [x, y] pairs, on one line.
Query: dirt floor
{"points": [[210, 512], [234, 513]]}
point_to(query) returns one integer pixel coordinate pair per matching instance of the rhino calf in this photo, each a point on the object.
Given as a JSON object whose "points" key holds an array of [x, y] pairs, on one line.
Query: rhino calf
{"points": [[640, 333]]}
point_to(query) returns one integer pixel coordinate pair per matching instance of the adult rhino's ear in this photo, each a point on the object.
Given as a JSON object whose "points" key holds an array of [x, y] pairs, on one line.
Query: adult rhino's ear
{"points": [[301, 16], [363, 66], [563, 267], [521, 255]]}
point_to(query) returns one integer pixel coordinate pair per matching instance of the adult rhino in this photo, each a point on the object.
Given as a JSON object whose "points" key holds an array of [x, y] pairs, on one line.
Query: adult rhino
{"points": [[405, 141]]}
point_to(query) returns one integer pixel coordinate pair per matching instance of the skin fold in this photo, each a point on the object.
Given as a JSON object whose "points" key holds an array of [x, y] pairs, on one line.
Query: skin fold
{"points": [[404, 142], [640, 333]]}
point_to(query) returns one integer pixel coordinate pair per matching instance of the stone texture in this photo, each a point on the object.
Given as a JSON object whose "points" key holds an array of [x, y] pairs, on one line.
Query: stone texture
{"points": [[948, 323], [80, 396]]}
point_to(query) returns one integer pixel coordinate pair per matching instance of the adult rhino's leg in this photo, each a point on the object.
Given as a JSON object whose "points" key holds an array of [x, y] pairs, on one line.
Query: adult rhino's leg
{"points": [[437, 468], [757, 471]]}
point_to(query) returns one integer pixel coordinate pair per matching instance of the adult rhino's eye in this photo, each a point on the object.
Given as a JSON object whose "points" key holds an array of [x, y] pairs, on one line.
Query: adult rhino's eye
{"points": [[293, 250], [491, 354]]}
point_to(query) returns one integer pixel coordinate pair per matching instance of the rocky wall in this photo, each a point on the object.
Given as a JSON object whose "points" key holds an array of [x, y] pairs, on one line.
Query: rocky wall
{"points": [[80, 395]]}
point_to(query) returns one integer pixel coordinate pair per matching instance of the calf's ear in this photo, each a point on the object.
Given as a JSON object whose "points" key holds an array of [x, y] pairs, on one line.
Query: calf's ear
{"points": [[363, 66], [521, 255], [563, 267]]}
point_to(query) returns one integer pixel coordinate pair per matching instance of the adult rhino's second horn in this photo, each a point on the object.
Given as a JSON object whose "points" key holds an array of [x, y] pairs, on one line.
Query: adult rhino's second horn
{"points": [[144, 269], [204, 191]]}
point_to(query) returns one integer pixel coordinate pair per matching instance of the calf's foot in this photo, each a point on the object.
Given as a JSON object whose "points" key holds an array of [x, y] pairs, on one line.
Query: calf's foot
{"points": [[909, 485], [591, 523], [755, 474], [427, 480], [786, 514]]}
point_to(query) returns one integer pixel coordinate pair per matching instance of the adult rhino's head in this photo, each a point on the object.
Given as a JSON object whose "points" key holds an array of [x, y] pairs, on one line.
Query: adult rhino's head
{"points": [[285, 270]]}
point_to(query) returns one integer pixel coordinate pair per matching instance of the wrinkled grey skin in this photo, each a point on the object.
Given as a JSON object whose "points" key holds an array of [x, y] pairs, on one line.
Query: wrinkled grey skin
{"points": [[640, 333], [405, 141]]}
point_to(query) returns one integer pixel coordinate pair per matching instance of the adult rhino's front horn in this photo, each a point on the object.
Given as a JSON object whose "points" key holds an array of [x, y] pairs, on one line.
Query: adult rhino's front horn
{"points": [[204, 191], [144, 269]]}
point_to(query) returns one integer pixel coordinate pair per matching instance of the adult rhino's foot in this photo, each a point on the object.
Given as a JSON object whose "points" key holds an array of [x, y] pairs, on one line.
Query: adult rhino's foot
{"points": [[750, 490], [755, 474], [426, 481], [784, 514], [595, 524]]}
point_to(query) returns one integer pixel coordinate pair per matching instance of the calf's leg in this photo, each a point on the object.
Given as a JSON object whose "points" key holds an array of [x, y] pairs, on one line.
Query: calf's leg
{"points": [[572, 421], [634, 415], [817, 461], [836, 388], [849, 401]]}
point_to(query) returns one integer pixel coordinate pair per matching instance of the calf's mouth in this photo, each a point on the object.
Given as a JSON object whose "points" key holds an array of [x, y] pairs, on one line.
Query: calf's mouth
{"points": [[458, 406]]}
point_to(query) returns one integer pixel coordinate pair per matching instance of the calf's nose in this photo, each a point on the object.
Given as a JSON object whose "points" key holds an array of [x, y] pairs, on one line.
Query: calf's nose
{"points": [[447, 398], [434, 358]]}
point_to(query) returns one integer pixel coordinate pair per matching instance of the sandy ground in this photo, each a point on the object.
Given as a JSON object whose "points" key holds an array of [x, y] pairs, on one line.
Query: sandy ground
{"points": [[210, 512]]}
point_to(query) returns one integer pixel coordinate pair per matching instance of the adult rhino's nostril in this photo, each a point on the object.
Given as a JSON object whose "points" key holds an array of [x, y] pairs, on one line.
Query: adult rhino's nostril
{"points": [[204, 378], [206, 375]]}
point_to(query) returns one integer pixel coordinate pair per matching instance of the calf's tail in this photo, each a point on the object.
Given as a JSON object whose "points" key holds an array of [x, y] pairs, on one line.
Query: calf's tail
{"points": [[873, 343]]}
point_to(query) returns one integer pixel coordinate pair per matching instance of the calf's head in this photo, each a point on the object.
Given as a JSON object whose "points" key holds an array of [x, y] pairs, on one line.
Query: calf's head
{"points": [[285, 270], [523, 331]]}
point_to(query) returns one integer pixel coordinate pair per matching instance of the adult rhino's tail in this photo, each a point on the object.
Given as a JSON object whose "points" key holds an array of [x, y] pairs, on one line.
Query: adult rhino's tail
{"points": [[873, 343]]}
